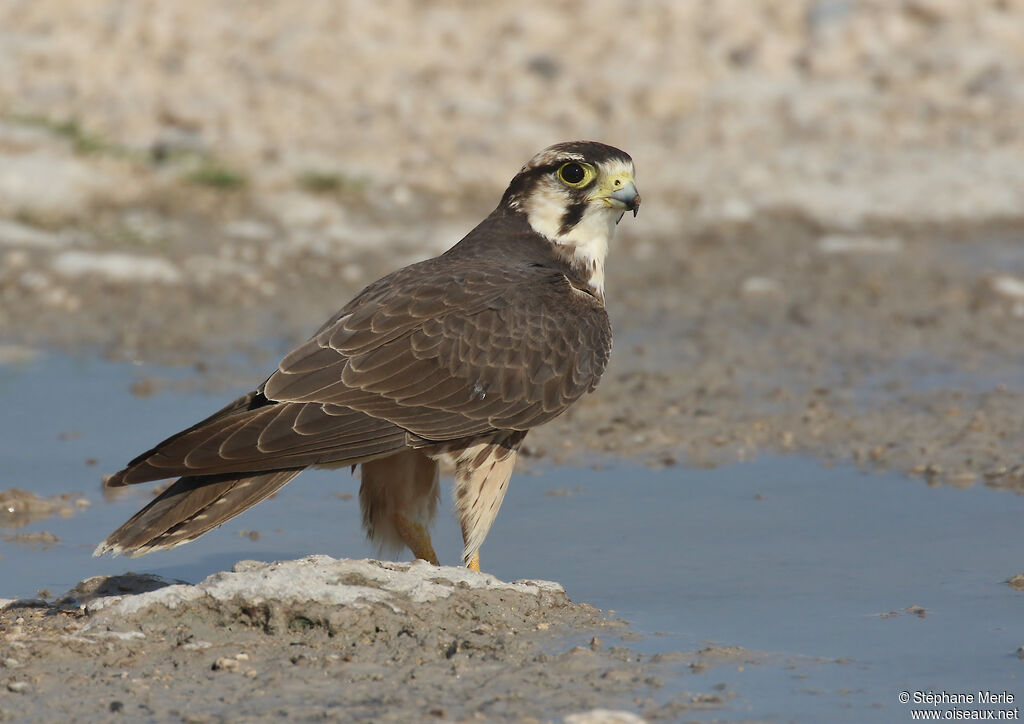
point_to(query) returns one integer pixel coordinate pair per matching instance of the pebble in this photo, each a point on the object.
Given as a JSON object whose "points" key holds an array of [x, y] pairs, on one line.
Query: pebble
{"points": [[225, 663], [13, 233], [51, 182], [604, 716], [116, 266], [852, 244], [249, 230], [1008, 286], [760, 286]]}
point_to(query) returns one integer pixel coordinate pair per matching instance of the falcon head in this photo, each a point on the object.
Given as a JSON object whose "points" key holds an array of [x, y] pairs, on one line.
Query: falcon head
{"points": [[573, 194]]}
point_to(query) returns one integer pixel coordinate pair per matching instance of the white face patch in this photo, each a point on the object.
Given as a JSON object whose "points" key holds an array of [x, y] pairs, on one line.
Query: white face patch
{"points": [[589, 238]]}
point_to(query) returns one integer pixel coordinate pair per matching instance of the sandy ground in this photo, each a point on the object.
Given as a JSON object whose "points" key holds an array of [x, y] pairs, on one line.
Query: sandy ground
{"points": [[827, 261]]}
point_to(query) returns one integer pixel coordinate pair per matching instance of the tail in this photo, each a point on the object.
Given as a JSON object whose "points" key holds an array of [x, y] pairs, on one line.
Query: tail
{"points": [[234, 459], [189, 508]]}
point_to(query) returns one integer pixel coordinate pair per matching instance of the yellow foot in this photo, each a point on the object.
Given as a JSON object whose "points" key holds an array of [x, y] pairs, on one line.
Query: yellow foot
{"points": [[416, 537], [474, 562]]}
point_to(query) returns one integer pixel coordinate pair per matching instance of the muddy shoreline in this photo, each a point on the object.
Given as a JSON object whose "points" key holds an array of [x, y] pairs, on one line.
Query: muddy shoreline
{"points": [[357, 640]]}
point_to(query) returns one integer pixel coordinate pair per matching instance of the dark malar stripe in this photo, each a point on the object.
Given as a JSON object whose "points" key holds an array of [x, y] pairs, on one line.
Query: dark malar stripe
{"points": [[571, 217]]}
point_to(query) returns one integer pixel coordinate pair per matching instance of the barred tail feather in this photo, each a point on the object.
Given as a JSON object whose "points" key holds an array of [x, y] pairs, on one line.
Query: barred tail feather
{"points": [[190, 507]]}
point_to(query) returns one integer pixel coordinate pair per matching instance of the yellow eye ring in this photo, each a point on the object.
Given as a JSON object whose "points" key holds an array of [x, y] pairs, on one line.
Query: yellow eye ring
{"points": [[576, 174]]}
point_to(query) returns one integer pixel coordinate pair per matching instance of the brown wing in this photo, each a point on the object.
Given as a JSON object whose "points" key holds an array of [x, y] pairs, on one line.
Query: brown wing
{"points": [[254, 434], [448, 354], [439, 354]]}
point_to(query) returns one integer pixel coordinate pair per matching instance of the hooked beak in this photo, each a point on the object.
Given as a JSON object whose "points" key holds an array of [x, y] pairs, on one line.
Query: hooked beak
{"points": [[619, 192], [627, 196]]}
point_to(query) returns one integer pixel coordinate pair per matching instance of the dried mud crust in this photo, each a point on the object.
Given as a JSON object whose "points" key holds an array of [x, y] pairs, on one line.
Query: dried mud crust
{"points": [[357, 640]]}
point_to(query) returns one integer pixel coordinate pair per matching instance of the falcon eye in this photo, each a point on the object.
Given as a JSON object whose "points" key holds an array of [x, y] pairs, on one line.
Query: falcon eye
{"points": [[572, 173], [576, 174]]}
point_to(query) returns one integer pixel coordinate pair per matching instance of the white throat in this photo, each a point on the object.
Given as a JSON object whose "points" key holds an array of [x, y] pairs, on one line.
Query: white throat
{"points": [[588, 240]]}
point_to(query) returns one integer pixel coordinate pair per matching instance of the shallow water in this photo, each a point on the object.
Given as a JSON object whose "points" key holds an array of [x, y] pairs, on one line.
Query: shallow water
{"points": [[797, 563]]}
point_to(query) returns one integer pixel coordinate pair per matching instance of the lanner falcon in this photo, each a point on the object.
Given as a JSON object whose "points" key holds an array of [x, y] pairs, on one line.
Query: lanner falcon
{"points": [[455, 358]]}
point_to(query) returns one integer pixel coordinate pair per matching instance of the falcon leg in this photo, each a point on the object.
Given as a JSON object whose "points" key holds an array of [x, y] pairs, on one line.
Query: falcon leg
{"points": [[398, 496], [417, 537], [482, 472]]}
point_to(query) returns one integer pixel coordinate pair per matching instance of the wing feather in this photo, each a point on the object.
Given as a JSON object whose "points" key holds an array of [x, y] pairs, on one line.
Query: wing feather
{"points": [[449, 354], [270, 437]]}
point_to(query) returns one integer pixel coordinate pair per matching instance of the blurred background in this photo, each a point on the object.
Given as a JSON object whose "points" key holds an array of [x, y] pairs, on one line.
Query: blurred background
{"points": [[726, 105], [228, 147], [833, 191]]}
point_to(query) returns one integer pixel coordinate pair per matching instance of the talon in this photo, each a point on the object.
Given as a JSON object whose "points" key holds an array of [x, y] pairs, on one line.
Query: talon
{"points": [[416, 537]]}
